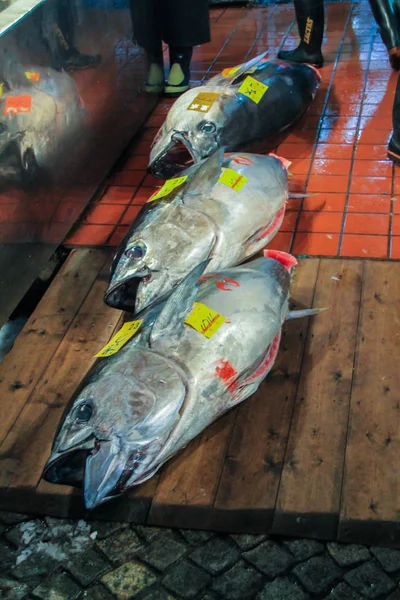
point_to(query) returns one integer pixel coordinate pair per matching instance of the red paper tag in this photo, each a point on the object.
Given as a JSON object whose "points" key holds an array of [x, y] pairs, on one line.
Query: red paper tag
{"points": [[18, 104]]}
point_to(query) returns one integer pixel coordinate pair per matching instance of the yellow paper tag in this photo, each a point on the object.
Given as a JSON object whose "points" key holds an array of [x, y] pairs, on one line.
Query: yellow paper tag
{"points": [[1, 89], [204, 320], [32, 76], [167, 188], [126, 332], [203, 102], [231, 71], [253, 89], [232, 179]]}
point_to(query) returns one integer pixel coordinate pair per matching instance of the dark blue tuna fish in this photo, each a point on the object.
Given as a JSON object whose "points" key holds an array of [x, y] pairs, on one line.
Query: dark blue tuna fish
{"points": [[250, 107]]}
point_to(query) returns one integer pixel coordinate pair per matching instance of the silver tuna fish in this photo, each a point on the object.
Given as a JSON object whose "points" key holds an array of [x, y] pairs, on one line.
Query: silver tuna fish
{"points": [[142, 405], [41, 111], [250, 107], [204, 219]]}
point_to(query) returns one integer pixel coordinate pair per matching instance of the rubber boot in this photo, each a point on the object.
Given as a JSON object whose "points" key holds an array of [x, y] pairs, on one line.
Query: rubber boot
{"points": [[310, 23], [66, 57], [155, 71], [179, 74], [394, 144], [387, 17]]}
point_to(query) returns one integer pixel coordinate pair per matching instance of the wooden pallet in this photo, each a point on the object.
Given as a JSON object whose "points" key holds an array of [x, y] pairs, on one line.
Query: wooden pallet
{"points": [[314, 453]]}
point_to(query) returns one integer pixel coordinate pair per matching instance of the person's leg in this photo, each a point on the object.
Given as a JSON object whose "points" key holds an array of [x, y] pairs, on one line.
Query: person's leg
{"points": [[186, 23], [57, 27], [394, 144], [146, 22], [386, 14], [310, 23]]}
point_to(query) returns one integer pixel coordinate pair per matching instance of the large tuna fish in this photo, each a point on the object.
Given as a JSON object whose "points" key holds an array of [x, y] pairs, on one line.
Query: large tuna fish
{"points": [[205, 218], [142, 405], [250, 107], [41, 114]]}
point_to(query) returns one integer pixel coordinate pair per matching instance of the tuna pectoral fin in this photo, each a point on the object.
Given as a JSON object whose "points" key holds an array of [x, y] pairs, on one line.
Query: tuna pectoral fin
{"points": [[204, 179], [295, 196], [246, 67], [103, 471], [171, 319], [306, 312]]}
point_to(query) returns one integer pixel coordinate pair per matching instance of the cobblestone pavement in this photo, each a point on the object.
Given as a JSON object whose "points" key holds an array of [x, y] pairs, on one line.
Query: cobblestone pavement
{"points": [[56, 559]]}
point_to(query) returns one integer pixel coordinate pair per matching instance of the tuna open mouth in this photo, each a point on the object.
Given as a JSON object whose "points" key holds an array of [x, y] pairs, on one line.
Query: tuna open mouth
{"points": [[67, 469], [176, 158], [122, 295]]}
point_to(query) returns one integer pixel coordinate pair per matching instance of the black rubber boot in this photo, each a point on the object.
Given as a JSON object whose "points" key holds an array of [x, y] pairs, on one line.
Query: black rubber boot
{"points": [[76, 61], [66, 57], [387, 17], [179, 75], [394, 144], [310, 23]]}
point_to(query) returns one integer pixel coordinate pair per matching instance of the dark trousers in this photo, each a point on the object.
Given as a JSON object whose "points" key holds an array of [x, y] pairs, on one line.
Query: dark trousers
{"points": [[176, 22], [58, 18], [396, 113], [387, 17]]}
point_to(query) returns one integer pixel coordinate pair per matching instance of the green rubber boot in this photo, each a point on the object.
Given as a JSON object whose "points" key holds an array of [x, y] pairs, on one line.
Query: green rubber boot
{"points": [[155, 79]]}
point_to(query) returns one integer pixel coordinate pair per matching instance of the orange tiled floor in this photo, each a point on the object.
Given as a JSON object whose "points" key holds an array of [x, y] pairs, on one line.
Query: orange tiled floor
{"points": [[338, 151]]}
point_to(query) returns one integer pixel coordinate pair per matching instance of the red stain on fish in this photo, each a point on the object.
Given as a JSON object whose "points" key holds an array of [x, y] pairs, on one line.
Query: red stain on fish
{"points": [[267, 361], [243, 160], [223, 284], [274, 225], [226, 371]]}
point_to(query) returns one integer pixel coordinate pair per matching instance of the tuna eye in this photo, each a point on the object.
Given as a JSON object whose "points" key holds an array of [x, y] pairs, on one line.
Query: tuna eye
{"points": [[136, 252], [83, 413], [208, 127]]}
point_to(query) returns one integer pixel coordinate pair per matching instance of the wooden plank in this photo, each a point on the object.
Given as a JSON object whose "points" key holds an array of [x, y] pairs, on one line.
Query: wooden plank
{"points": [[60, 501], [28, 444], [249, 484], [188, 484], [18, 272], [23, 366], [309, 495], [370, 508]]}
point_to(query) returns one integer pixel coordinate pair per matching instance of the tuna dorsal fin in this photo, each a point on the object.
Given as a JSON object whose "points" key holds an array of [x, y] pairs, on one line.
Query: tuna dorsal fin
{"points": [[170, 321], [204, 179], [245, 67], [306, 312], [13, 71]]}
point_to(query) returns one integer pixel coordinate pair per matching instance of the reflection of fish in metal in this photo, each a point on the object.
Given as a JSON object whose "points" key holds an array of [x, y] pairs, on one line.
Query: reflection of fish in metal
{"points": [[257, 102], [228, 209], [40, 111], [142, 405]]}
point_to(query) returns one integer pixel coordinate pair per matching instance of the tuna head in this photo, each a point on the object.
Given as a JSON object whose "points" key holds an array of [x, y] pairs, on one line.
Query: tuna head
{"points": [[112, 435], [190, 134], [167, 241], [14, 82], [157, 254]]}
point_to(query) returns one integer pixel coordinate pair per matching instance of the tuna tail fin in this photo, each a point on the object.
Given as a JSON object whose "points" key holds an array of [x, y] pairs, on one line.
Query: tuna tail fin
{"points": [[306, 312], [170, 321], [254, 62], [205, 177]]}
